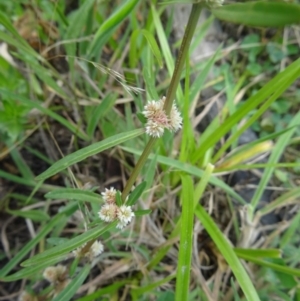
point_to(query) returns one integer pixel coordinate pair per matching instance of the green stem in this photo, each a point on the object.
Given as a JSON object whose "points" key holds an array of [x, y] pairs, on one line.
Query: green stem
{"points": [[143, 158], [185, 45]]}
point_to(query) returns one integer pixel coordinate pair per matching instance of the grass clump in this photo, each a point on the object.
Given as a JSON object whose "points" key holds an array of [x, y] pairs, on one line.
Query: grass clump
{"points": [[122, 197]]}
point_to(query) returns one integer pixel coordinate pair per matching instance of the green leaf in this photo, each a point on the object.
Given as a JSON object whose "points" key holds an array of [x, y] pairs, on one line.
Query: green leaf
{"points": [[30, 271], [186, 240], [190, 169], [34, 215], [61, 250], [274, 157], [136, 193], [266, 253], [55, 241], [142, 291], [119, 201], [107, 27], [152, 43], [108, 290], [87, 152], [276, 86], [142, 212], [33, 242], [260, 13], [100, 111], [227, 251], [274, 266], [78, 21], [34, 104], [74, 285], [74, 194]]}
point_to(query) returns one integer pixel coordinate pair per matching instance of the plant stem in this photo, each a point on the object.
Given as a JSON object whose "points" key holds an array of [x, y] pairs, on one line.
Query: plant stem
{"points": [[186, 41], [185, 45], [138, 168]]}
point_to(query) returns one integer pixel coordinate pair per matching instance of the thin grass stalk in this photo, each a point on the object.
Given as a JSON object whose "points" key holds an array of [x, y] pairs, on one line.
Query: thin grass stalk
{"points": [[183, 52]]}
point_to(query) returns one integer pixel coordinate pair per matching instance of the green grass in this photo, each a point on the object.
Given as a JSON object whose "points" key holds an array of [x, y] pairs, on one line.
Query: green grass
{"points": [[70, 129]]}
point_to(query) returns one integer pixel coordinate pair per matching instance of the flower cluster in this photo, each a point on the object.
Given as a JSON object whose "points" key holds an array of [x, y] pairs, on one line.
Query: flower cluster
{"points": [[58, 276], [93, 251], [157, 119], [110, 211], [55, 274]]}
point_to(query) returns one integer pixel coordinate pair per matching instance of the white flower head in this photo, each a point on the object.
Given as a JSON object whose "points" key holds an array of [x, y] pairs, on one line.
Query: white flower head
{"points": [[109, 195], [125, 215], [154, 129], [151, 108], [77, 253], [108, 212], [175, 119], [158, 119], [54, 274], [95, 250], [121, 225]]}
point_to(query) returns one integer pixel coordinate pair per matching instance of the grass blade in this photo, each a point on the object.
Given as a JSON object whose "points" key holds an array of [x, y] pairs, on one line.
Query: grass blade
{"points": [[74, 285], [106, 29], [33, 242], [228, 253], [275, 156], [75, 194], [186, 241], [260, 13], [72, 244], [87, 152], [192, 170]]}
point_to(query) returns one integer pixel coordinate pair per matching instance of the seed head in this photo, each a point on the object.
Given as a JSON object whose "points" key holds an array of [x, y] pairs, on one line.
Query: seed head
{"points": [[125, 215], [154, 129], [175, 119], [95, 250], [54, 274], [108, 212], [157, 119], [109, 195]]}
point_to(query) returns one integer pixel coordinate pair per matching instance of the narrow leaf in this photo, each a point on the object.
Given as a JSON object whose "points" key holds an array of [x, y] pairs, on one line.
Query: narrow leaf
{"points": [[186, 240], [87, 152], [71, 289], [75, 194], [136, 193], [260, 13], [72, 244]]}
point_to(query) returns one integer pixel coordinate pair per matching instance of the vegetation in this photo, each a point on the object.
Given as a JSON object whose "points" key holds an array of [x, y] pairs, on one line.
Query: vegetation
{"points": [[110, 191]]}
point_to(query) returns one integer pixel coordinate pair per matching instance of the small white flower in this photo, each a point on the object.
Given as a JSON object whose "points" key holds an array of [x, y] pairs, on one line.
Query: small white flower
{"points": [[151, 108], [109, 195], [53, 274], [121, 225], [158, 119], [108, 212], [154, 129], [95, 250], [125, 215], [175, 119], [78, 252]]}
